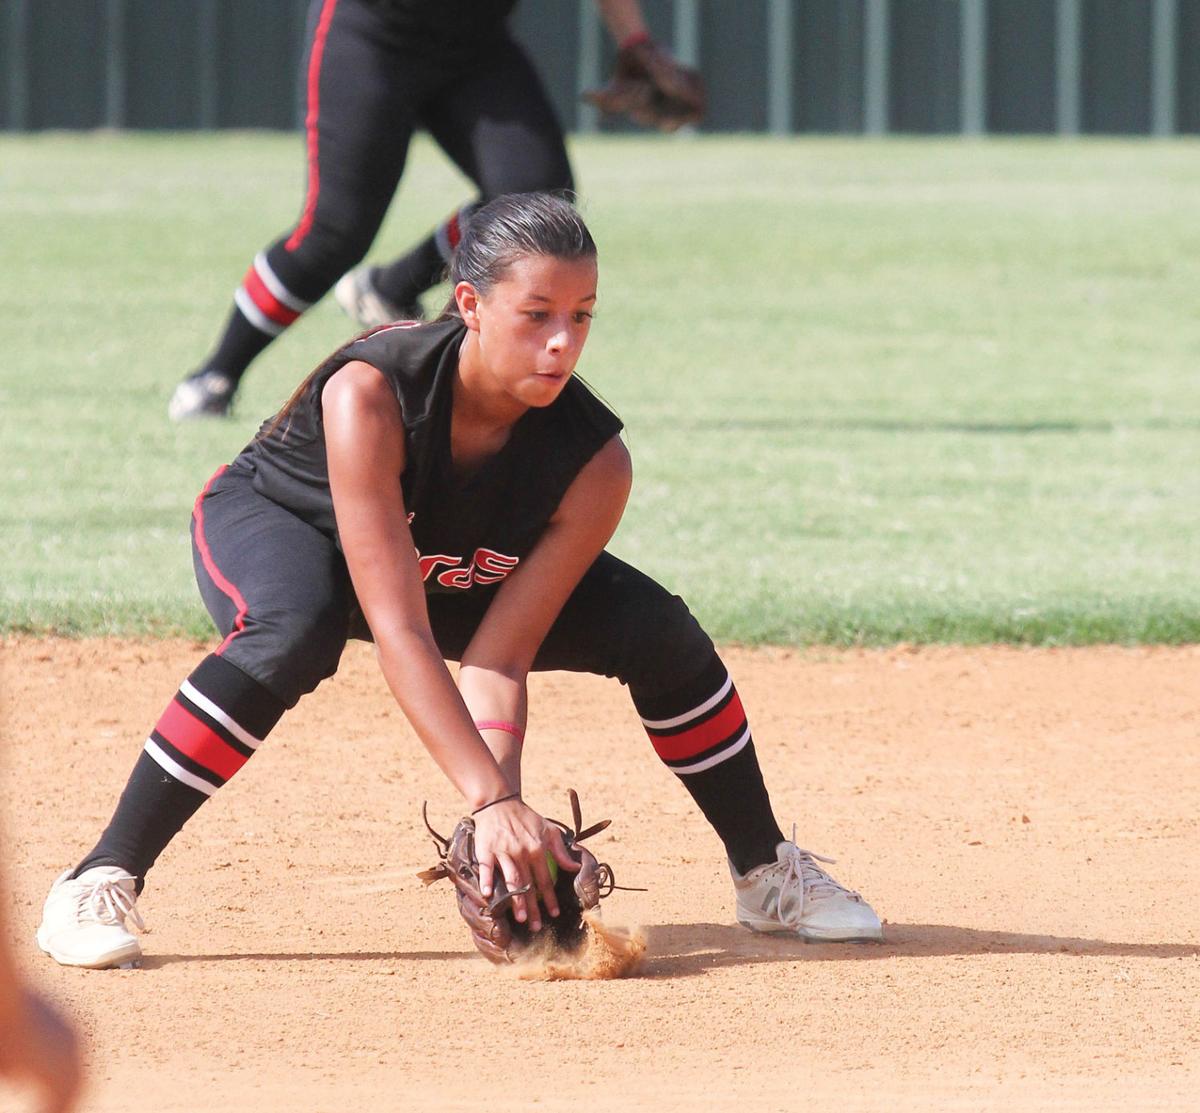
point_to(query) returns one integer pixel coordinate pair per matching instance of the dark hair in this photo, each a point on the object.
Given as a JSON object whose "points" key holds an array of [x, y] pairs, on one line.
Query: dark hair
{"points": [[513, 227], [509, 228]]}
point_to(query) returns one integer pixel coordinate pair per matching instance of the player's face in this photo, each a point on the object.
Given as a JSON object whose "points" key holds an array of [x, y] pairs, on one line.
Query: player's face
{"points": [[531, 325]]}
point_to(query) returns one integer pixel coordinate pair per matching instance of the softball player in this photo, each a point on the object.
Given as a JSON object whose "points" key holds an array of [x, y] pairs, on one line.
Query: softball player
{"points": [[489, 551], [375, 71]]}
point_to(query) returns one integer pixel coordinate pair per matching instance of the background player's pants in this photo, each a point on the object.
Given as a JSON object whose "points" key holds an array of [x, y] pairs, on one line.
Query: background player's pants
{"points": [[368, 89], [279, 591]]}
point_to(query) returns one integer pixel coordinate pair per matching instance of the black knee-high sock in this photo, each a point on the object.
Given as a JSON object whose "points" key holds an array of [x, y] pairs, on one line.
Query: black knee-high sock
{"points": [[207, 733], [239, 344], [700, 732], [152, 810], [405, 280]]}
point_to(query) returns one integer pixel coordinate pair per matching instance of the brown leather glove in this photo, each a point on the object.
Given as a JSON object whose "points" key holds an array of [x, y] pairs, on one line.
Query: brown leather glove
{"points": [[650, 87], [494, 931]]}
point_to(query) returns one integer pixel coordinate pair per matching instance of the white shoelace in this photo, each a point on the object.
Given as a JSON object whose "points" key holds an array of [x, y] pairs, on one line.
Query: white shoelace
{"points": [[798, 872], [107, 902]]}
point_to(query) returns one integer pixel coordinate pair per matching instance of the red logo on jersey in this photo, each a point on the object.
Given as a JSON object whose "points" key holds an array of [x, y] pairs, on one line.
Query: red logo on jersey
{"points": [[486, 567]]}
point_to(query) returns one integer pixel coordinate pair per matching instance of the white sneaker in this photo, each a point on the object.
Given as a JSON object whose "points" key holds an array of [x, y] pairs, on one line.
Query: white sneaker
{"points": [[793, 894], [360, 301], [205, 394], [83, 921]]}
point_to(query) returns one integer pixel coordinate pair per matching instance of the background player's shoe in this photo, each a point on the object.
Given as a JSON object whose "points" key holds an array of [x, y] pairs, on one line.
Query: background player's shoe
{"points": [[202, 394], [355, 293], [794, 895], [83, 921]]}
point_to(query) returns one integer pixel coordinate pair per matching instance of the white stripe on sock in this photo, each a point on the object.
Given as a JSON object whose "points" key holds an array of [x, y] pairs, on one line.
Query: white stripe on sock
{"points": [[716, 759], [206, 705], [254, 315], [177, 771], [271, 281], [679, 720]]}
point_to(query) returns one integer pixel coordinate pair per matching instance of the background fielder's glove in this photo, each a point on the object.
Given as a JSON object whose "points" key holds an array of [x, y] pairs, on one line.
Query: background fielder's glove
{"points": [[493, 929], [650, 87]]}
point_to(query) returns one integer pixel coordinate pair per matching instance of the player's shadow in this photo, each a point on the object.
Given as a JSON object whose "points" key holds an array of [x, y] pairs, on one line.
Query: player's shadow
{"points": [[682, 950], [155, 962]]}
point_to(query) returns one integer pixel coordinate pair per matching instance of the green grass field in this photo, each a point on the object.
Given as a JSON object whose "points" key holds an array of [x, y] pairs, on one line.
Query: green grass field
{"points": [[912, 391]]}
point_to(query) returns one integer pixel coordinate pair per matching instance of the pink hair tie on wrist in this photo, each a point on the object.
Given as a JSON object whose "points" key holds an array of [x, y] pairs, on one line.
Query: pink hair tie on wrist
{"points": [[500, 724], [636, 39]]}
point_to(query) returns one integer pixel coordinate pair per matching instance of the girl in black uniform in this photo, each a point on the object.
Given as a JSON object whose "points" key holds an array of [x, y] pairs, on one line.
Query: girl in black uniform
{"points": [[489, 551], [374, 72]]}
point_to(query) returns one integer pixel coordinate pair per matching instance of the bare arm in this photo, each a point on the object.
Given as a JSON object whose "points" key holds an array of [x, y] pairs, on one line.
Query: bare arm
{"points": [[364, 437], [623, 18], [497, 662], [365, 447]]}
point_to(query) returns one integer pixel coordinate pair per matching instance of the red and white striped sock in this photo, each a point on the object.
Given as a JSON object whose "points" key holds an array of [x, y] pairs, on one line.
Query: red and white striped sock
{"points": [[212, 727], [265, 301], [206, 734], [700, 733]]}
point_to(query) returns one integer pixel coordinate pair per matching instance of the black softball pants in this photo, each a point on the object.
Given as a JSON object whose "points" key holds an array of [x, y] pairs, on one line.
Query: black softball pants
{"points": [[279, 592], [367, 90]]}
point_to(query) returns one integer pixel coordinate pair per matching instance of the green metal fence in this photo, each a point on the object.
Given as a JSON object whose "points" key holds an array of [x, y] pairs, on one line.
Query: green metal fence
{"points": [[783, 66]]}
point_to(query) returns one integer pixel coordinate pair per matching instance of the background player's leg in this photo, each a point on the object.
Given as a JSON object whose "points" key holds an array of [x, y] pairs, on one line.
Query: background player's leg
{"points": [[360, 116], [497, 124], [277, 589]]}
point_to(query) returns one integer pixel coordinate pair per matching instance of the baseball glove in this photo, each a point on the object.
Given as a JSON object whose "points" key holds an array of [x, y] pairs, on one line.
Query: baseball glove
{"points": [[650, 87], [494, 930]]}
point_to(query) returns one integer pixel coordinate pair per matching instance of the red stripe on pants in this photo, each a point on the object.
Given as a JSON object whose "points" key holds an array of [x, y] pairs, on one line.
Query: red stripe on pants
{"points": [[199, 741], [210, 565], [310, 126], [703, 736]]}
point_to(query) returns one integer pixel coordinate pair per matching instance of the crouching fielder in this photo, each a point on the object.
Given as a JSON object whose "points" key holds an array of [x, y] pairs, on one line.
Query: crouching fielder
{"points": [[447, 490]]}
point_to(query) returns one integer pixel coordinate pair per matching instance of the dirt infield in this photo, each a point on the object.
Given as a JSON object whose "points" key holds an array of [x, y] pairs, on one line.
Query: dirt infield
{"points": [[1026, 821]]}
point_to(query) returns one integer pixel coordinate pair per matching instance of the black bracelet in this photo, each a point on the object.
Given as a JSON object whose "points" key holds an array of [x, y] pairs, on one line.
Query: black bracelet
{"points": [[498, 800]]}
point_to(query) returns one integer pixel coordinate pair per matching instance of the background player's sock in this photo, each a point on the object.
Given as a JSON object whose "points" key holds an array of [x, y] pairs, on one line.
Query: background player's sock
{"points": [[403, 282], [700, 732], [207, 733], [262, 308], [238, 345]]}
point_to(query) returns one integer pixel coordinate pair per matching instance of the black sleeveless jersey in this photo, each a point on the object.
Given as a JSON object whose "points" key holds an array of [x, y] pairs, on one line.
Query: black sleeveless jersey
{"points": [[468, 531]]}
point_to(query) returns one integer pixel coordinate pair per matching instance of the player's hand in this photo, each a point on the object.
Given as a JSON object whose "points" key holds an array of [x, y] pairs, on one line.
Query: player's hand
{"points": [[513, 839], [39, 1049]]}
